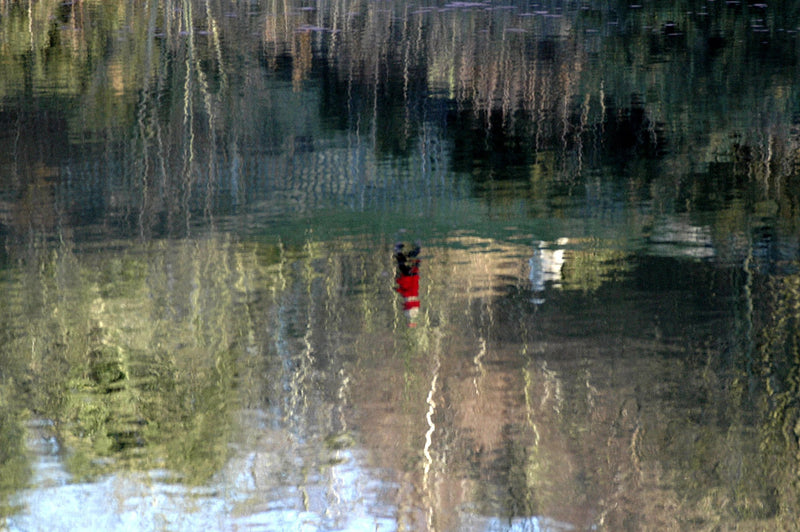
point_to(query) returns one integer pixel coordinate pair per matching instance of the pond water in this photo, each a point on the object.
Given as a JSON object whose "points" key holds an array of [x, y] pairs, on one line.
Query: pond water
{"points": [[205, 324]]}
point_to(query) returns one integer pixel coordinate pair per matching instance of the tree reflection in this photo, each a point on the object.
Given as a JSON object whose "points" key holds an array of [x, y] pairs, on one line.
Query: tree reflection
{"points": [[633, 365], [779, 364], [569, 408], [510, 89], [134, 355]]}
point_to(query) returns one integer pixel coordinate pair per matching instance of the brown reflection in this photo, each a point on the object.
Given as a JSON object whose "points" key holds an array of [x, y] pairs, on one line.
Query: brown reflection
{"points": [[579, 409], [302, 58], [35, 210]]}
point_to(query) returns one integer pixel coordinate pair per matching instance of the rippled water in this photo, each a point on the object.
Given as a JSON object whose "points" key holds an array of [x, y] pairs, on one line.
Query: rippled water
{"points": [[201, 325]]}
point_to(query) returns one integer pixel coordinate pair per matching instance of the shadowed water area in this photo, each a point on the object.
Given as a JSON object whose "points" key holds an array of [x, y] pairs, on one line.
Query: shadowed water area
{"points": [[205, 323]]}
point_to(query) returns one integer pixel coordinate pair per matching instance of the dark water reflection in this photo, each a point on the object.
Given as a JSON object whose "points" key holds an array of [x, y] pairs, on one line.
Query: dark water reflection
{"points": [[201, 327]]}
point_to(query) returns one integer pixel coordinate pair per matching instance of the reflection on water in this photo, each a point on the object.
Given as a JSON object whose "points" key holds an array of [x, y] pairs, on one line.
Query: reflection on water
{"points": [[333, 490], [207, 383], [546, 267], [407, 280], [209, 321]]}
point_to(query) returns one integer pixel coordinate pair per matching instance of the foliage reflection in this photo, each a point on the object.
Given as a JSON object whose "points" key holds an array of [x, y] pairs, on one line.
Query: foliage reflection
{"points": [[195, 199]]}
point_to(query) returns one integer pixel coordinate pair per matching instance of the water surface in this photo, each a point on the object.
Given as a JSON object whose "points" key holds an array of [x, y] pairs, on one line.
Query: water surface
{"points": [[200, 327]]}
